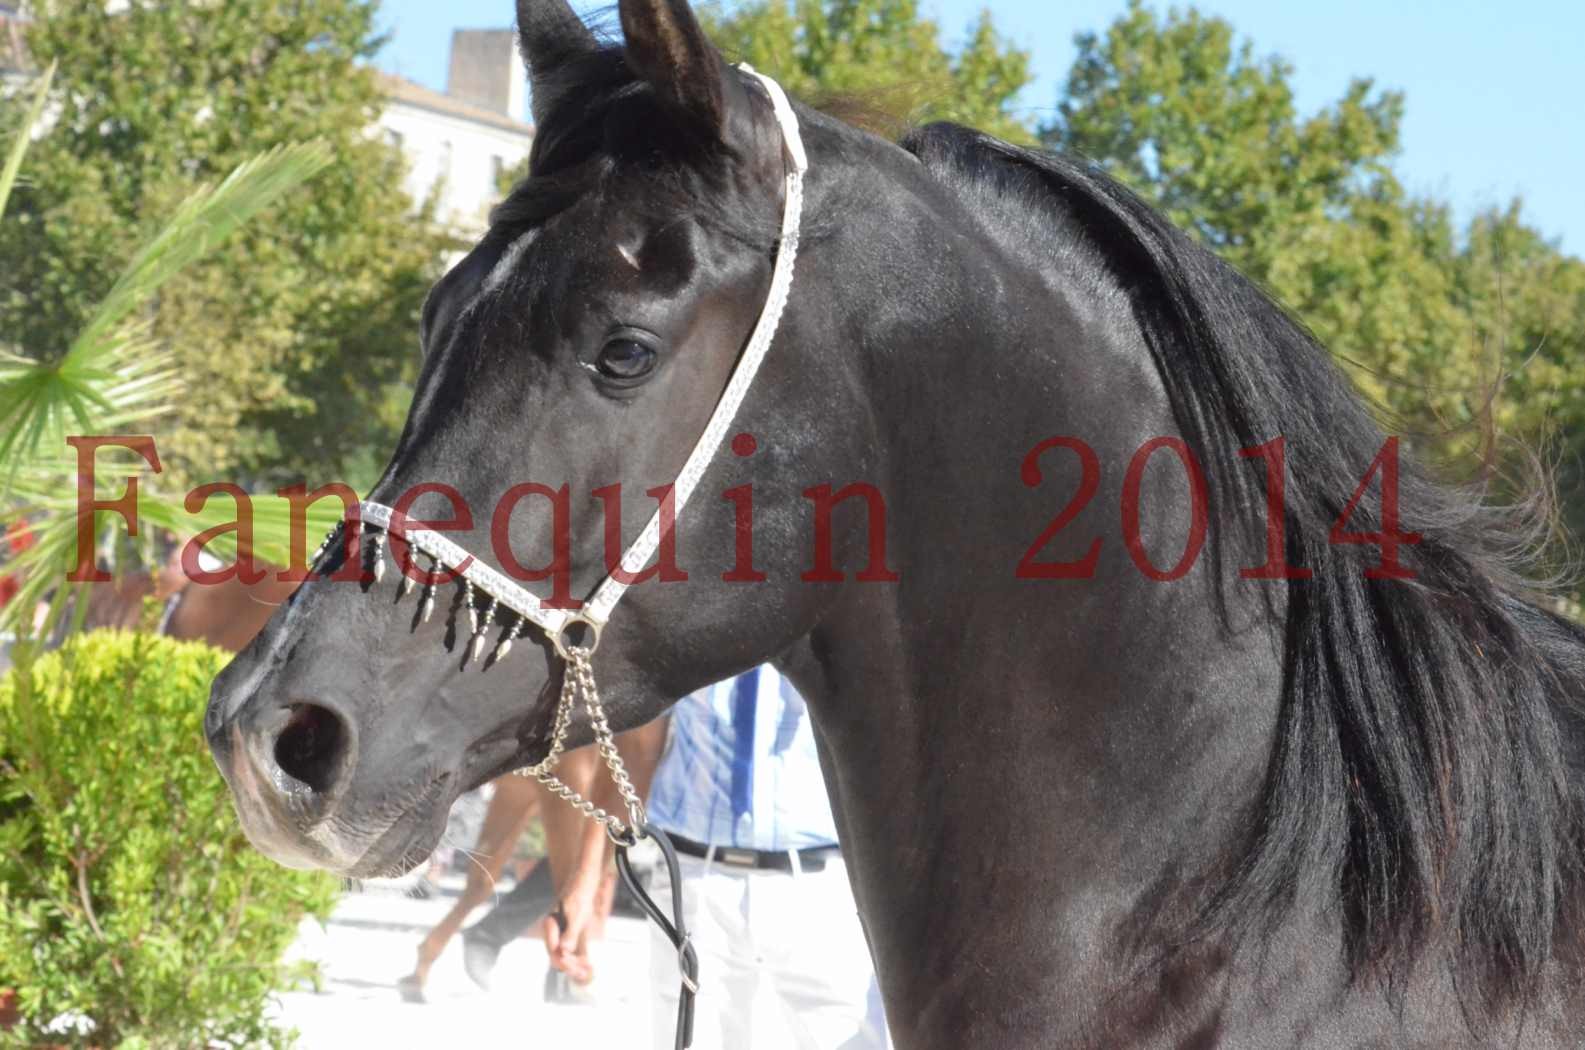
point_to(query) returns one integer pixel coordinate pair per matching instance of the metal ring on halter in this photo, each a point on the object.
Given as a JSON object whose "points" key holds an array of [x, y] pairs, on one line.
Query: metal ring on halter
{"points": [[637, 819], [627, 837], [559, 638]]}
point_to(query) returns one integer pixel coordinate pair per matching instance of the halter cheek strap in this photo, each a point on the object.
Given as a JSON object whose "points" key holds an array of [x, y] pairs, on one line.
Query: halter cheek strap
{"points": [[598, 611]]}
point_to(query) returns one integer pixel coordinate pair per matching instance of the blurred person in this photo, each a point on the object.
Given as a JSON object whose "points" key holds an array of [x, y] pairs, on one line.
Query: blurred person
{"points": [[570, 837], [783, 958], [515, 802]]}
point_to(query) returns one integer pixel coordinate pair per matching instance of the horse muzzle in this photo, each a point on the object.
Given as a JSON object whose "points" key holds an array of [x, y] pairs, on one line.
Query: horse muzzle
{"points": [[288, 766]]}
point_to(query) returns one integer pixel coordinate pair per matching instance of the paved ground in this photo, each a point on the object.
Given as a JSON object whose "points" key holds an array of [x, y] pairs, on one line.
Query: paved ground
{"points": [[369, 943]]}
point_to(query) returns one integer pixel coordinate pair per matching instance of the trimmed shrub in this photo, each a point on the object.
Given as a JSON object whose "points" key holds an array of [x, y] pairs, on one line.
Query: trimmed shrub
{"points": [[133, 912]]}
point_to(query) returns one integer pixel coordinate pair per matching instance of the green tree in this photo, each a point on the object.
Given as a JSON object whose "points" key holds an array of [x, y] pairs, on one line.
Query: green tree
{"points": [[1211, 134], [1524, 309], [1430, 319], [113, 378], [294, 334], [879, 57]]}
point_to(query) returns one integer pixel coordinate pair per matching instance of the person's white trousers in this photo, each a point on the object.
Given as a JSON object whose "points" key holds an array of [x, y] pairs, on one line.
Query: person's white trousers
{"points": [[783, 964]]}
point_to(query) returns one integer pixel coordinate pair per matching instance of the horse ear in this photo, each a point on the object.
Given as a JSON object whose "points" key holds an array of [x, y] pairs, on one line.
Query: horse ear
{"points": [[550, 35], [667, 47]]}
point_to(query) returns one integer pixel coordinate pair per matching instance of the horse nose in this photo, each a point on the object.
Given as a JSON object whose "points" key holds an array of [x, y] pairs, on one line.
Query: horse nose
{"points": [[289, 763], [313, 749], [289, 754], [292, 758]]}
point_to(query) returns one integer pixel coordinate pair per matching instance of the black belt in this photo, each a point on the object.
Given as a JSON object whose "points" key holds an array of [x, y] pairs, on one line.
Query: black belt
{"points": [[811, 859]]}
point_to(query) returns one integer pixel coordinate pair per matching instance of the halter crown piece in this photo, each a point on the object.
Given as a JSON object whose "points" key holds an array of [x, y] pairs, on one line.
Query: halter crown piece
{"points": [[505, 601]]}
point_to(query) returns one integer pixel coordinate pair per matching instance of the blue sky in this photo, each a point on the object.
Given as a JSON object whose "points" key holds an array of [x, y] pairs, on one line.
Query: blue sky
{"points": [[1496, 91]]}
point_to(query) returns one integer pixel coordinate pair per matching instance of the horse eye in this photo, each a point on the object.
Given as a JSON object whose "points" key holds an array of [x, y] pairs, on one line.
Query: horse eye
{"points": [[625, 359]]}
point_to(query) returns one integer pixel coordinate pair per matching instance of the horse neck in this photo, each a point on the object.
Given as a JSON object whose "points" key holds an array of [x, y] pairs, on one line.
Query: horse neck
{"points": [[1128, 725]]}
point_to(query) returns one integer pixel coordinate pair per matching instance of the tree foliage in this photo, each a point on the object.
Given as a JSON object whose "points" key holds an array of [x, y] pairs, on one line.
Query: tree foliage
{"points": [[294, 332], [114, 378], [1456, 333], [880, 57]]}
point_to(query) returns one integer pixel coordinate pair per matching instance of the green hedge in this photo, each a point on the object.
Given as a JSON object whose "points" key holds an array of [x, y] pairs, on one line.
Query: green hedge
{"points": [[131, 907]]}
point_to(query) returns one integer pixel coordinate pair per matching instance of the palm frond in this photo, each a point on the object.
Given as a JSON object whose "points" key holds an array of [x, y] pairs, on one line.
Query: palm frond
{"points": [[205, 219], [115, 379], [19, 148], [41, 568], [39, 401], [271, 523]]}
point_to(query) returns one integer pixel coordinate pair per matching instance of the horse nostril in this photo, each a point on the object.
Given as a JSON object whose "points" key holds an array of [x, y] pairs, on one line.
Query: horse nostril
{"points": [[311, 747]]}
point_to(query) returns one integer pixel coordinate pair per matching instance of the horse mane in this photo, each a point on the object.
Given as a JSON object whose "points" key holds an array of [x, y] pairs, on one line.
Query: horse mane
{"points": [[1429, 746], [1431, 732]]}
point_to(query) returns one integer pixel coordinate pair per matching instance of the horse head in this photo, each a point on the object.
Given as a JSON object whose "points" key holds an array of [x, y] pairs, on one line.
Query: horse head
{"points": [[571, 360]]}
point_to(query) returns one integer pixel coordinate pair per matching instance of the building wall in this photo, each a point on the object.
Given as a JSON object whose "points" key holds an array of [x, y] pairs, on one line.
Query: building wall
{"points": [[487, 70], [456, 159], [456, 144]]}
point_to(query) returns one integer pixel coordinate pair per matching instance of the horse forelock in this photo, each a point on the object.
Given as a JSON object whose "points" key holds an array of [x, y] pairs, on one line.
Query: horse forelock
{"points": [[608, 122]]}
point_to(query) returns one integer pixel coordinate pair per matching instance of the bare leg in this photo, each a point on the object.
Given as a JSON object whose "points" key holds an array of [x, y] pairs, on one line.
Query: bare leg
{"points": [[535, 896], [514, 804], [603, 902], [575, 847], [580, 852]]}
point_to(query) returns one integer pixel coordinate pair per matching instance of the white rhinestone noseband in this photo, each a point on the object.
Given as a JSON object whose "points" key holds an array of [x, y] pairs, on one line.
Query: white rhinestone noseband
{"points": [[504, 597]]}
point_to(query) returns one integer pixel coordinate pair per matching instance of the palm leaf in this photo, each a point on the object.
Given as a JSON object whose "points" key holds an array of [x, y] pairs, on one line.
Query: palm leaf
{"points": [[19, 148], [111, 377], [41, 569], [41, 403], [114, 379], [271, 520], [202, 222]]}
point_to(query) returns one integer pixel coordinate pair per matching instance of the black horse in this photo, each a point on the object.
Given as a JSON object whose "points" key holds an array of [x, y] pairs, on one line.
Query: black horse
{"points": [[1319, 786]]}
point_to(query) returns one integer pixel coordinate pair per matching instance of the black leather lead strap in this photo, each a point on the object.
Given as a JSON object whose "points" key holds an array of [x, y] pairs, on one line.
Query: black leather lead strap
{"points": [[675, 929]]}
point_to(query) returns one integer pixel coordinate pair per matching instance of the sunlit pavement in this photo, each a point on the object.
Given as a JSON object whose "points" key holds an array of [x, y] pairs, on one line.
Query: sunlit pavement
{"points": [[370, 943]]}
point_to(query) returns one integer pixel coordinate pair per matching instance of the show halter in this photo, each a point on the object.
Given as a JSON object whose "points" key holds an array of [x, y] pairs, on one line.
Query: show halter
{"points": [[505, 595]]}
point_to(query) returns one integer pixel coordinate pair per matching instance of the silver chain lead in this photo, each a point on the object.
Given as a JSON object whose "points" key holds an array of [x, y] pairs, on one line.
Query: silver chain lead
{"points": [[577, 685]]}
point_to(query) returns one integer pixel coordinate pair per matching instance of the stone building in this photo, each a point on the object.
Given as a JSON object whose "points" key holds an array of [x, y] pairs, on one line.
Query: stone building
{"points": [[457, 143]]}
